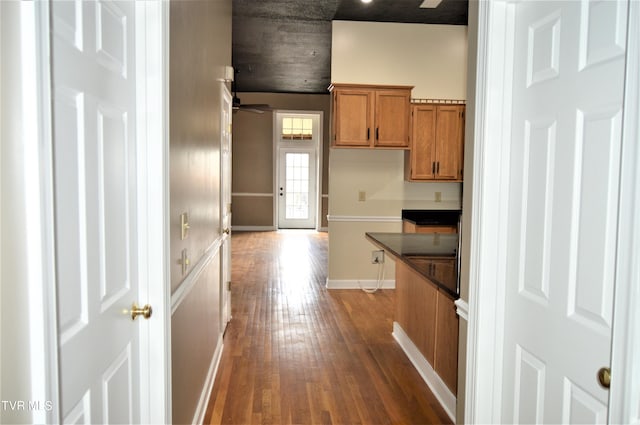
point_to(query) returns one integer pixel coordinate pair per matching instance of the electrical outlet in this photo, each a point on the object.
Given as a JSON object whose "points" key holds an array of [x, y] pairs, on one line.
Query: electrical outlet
{"points": [[377, 257], [438, 196], [362, 196]]}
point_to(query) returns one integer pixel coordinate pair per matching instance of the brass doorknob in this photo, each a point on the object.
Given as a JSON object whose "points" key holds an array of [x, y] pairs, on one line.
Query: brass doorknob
{"points": [[227, 231], [604, 377], [145, 311]]}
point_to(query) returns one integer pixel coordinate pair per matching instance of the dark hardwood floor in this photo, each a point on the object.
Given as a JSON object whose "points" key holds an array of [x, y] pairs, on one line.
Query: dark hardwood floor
{"points": [[297, 353]]}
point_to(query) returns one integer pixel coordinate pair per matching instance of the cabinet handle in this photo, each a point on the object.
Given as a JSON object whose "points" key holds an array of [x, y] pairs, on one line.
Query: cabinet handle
{"points": [[377, 135], [438, 167], [368, 134], [433, 168]]}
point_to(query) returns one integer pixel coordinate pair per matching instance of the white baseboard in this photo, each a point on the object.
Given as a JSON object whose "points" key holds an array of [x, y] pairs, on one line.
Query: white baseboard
{"points": [[253, 228], [446, 398], [203, 403], [355, 284]]}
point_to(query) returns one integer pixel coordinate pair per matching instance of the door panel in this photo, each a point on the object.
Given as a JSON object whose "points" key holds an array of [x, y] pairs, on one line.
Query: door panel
{"points": [[392, 123], [565, 150], [423, 142], [95, 189], [353, 123], [447, 142]]}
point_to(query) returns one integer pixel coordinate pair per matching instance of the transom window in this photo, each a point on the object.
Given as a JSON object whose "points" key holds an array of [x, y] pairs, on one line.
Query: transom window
{"points": [[295, 128]]}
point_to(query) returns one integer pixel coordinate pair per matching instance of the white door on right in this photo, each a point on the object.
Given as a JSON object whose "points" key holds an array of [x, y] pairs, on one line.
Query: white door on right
{"points": [[568, 70]]}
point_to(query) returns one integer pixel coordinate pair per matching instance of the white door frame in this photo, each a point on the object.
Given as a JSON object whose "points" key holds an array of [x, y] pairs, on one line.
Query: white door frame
{"points": [[276, 161], [624, 404], [488, 239], [152, 33]]}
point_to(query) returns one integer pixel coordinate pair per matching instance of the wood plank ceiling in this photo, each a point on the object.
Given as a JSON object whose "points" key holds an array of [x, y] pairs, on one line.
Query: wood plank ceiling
{"points": [[284, 46]]}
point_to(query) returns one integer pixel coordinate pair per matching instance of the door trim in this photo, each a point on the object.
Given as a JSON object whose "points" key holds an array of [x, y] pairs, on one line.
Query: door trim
{"points": [[489, 195], [625, 350], [40, 245], [155, 352], [488, 243], [153, 20]]}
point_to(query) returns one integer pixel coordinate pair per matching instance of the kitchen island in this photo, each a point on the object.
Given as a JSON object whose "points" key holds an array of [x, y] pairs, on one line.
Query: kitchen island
{"points": [[425, 322]]}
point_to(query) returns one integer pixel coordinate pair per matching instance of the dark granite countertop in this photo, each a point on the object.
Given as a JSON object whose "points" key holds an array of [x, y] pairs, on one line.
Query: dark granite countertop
{"points": [[432, 255], [431, 217]]}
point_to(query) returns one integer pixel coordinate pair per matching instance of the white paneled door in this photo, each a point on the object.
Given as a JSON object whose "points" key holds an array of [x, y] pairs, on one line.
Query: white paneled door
{"points": [[96, 210], [568, 73], [225, 208]]}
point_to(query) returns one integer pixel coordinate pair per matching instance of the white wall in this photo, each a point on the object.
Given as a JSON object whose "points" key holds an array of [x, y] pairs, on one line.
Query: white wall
{"points": [[433, 59]]}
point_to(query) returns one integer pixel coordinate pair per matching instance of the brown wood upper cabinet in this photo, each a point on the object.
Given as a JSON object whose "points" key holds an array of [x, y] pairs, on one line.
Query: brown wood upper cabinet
{"points": [[368, 116], [437, 142]]}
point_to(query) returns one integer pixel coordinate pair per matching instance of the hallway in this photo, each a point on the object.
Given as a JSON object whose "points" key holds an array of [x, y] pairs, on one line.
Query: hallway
{"points": [[297, 353]]}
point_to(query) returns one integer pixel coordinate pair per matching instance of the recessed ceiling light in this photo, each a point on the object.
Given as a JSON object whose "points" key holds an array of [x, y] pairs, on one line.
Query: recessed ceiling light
{"points": [[430, 4], [366, 1]]}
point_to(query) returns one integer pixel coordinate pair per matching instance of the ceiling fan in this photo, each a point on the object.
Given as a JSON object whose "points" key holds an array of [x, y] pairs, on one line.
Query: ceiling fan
{"points": [[256, 108]]}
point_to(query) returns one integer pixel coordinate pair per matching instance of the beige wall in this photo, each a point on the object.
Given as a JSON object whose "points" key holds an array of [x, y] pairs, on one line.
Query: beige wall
{"points": [[200, 46], [430, 57], [191, 350], [253, 162], [433, 59]]}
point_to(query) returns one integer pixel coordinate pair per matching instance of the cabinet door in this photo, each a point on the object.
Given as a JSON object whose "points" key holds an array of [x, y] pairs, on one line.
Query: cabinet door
{"points": [[353, 118], [392, 118], [446, 344], [416, 309], [423, 142], [449, 142], [445, 271]]}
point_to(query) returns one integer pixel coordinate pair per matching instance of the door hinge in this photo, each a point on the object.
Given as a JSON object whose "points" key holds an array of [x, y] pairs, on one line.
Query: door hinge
{"points": [[229, 285]]}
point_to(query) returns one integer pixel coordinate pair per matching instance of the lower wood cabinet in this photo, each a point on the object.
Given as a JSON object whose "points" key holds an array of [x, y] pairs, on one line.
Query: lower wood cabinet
{"points": [[428, 317], [416, 308], [446, 345]]}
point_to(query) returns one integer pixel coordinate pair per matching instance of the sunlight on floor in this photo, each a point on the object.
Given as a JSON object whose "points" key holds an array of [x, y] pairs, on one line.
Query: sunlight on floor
{"points": [[295, 266]]}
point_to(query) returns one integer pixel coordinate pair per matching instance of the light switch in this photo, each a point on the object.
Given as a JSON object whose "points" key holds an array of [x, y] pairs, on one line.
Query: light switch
{"points": [[362, 196]]}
